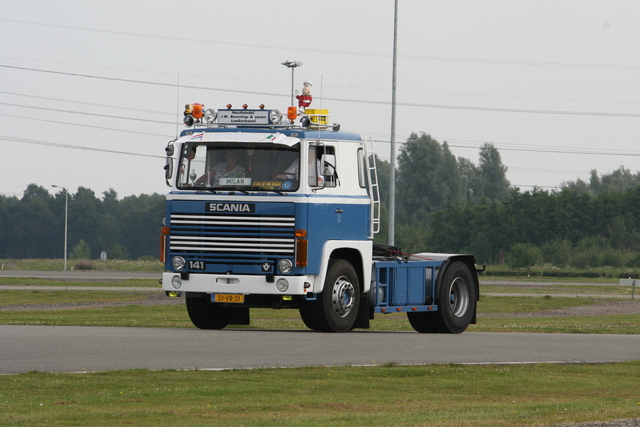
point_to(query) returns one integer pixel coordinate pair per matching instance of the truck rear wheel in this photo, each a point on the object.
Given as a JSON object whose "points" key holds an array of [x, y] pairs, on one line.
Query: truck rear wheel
{"points": [[205, 314], [336, 308], [456, 302]]}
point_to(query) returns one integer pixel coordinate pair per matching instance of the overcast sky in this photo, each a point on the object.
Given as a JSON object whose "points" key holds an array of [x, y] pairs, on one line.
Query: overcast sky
{"points": [[91, 91]]}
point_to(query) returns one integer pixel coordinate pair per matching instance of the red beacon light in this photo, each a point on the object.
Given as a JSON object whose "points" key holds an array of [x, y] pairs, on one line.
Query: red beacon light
{"points": [[197, 111]]}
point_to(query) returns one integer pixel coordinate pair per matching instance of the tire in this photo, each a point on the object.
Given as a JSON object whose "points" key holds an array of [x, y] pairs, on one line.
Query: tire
{"points": [[456, 302], [205, 314], [336, 308]]}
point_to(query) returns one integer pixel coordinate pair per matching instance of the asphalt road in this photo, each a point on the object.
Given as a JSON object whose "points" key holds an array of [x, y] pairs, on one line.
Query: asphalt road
{"points": [[79, 348]]}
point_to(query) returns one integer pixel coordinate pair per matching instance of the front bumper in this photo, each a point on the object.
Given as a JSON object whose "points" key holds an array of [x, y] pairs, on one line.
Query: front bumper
{"points": [[236, 284]]}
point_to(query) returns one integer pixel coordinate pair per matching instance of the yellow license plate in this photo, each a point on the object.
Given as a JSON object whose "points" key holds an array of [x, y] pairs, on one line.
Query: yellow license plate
{"points": [[234, 298]]}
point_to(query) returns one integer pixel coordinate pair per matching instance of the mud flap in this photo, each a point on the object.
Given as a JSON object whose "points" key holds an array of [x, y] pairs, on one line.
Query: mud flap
{"points": [[240, 316], [362, 320]]}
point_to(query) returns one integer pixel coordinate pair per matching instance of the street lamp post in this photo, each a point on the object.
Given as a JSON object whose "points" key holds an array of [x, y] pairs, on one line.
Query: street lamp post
{"points": [[66, 204], [292, 65]]}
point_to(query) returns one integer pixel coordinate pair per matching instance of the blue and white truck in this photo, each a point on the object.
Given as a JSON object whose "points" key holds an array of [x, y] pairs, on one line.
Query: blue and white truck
{"points": [[272, 210]]}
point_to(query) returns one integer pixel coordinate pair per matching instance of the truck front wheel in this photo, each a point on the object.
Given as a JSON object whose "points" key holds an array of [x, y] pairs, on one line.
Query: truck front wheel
{"points": [[456, 302], [336, 308], [205, 314]]}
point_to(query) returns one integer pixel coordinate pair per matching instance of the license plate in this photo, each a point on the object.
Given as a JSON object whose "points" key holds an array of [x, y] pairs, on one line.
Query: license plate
{"points": [[233, 298]]}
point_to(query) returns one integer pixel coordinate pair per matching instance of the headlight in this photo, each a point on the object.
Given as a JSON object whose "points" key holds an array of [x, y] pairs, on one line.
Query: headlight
{"points": [[176, 282], [282, 285], [284, 266], [210, 116], [275, 117], [178, 263]]}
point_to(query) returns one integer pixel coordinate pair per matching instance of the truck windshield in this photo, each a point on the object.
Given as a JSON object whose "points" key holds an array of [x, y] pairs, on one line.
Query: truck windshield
{"points": [[238, 166]]}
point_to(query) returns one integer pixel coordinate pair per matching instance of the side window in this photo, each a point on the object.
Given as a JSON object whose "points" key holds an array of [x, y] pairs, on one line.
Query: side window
{"points": [[322, 166], [328, 166], [362, 169]]}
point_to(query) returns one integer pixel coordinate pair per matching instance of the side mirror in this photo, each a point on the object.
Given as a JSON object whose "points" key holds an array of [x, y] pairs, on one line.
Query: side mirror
{"points": [[168, 170], [169, 150]]}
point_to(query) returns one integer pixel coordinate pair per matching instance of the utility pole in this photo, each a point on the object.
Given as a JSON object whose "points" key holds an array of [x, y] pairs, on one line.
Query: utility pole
{"points": [[66, 216], [392, 174]]}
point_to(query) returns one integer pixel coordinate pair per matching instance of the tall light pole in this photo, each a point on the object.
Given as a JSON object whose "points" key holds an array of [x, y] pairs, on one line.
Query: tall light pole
{"points": [[292, 65], [66, 204], [392, 171]]}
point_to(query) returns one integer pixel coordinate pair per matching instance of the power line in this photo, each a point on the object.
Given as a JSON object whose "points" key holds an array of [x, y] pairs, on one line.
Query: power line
{"points": [[75, 147], [87, 126], [359, 101], [33, 107], [93, 104], [332, 51]]}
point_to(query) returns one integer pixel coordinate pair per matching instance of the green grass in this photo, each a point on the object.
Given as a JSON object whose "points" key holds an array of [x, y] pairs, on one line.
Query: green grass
{"points": [[10, 297], [430, 395], [175, 316], [42, 264], [621, 291], [32, 281]]}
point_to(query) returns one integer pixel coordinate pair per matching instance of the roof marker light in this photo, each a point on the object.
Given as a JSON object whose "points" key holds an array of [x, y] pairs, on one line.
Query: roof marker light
{"points": [[229, 106]]}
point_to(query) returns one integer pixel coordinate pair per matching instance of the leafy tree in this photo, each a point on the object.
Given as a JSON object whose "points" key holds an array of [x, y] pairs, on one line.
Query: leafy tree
{"points": [[557, 252], [117, 251], [492, 174], [619, 180], [471, 179], [80, 251], [524, 255], [35, 220], [428, 179]]}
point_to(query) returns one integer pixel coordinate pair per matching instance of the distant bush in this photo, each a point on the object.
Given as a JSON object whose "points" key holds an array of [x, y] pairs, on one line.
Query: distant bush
{"points": [[557, 252], [524, 255], [84, 266], [586, 259], [612, 258]]}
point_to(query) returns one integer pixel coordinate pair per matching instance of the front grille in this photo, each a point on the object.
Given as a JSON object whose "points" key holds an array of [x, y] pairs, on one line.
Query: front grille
{"points": [[215, 236]]}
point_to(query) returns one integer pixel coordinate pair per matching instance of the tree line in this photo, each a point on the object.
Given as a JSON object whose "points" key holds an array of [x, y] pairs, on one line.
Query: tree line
{"points": [[33, 226]]}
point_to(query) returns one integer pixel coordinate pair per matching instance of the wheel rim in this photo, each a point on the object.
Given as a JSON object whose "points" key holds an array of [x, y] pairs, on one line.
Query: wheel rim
{"points": [[459, 297], [342, 297]]}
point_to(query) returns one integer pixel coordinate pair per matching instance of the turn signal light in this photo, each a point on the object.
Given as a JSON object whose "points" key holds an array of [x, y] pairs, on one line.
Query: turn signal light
{"points": [[302, 250]]}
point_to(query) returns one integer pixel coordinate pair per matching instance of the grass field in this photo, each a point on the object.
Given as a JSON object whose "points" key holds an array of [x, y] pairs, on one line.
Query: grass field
{"points": [[430, 395]]}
